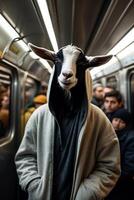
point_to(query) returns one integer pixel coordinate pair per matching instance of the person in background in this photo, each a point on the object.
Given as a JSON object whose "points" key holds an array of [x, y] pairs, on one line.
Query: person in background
{"points": [[3, 91], [4, 107], [108, 89], [4, 111], [37, 101], [124, 189], [112, 101], [43, 89], [5, 102], [98, 95]]}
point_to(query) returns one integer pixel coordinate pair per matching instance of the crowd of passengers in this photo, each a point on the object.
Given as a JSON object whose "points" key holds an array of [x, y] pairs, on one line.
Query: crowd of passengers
{"points": [[112, 103], [31, 104]]}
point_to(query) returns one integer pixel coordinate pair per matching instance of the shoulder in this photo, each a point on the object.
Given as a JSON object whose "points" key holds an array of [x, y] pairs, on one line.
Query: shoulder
{"points": [[39, 114], [100, 122], [40, 110], [97, 112]]}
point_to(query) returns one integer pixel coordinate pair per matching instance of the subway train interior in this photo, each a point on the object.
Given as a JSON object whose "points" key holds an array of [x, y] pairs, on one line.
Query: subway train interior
{"points": [[98, 27]]}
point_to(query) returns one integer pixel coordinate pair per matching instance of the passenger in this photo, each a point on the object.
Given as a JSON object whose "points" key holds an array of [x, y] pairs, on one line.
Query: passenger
{"points": [[112, 102], [5, 102], [4, 107], [4, 111], [124, 189], [98, 95], [3, 91], [38, 101], [43, 89], [108, 89], [29, 95]]}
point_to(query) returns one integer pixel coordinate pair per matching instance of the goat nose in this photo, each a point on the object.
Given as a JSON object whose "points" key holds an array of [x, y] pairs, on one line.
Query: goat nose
{"points": [[67, 74]]}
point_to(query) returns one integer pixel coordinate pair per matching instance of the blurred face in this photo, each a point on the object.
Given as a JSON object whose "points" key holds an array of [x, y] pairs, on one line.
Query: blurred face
{"points": [[99, 93], [111, 104], [118, 124], [107, 89], [5, 102]]}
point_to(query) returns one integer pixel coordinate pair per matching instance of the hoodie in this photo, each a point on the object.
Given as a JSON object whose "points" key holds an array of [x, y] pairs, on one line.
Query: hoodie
{"points": [[69, 147]]}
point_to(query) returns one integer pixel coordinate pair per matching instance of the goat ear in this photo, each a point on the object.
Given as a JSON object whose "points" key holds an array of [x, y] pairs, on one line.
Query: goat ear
{"points": [[98, 60], [42, 52]]}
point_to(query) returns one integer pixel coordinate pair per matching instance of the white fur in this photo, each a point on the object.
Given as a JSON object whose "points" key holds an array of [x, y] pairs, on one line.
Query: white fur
{"points": [[70, 55]]}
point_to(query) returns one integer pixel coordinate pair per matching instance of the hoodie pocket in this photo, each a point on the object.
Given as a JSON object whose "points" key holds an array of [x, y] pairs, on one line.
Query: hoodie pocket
{"points": [[86, 193]]}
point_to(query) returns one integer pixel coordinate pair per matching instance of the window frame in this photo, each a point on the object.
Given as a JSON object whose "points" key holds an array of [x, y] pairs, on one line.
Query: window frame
{"points": [[12, 72]]}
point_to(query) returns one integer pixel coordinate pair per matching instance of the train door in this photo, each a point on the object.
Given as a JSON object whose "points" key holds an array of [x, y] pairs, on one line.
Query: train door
{"points": [[131, 94], [8, 127]]}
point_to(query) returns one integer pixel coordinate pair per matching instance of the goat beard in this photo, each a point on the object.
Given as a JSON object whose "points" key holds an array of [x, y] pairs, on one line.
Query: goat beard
{"points": [[66, 99], [67, 95]]}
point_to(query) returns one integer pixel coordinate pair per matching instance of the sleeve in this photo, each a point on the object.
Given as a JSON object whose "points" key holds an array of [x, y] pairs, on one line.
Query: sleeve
{"points": [[26, 156], [106, 169]]}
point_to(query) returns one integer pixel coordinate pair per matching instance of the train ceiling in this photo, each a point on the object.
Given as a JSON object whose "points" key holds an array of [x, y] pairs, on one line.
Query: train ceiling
{"points": [[93, 25]]}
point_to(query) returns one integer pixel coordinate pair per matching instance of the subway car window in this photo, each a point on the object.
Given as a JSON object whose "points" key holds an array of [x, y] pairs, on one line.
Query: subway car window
{"points": [[5, 105], [112, 81]]}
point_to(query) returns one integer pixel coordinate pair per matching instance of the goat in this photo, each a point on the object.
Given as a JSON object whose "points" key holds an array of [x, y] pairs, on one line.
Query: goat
{"points": [[65, 148]]}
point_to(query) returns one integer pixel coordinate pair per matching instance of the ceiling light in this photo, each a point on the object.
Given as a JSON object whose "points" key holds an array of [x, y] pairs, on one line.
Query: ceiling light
{"points": [[48, 23], [12, 34], [8, 28], [124, 42]]}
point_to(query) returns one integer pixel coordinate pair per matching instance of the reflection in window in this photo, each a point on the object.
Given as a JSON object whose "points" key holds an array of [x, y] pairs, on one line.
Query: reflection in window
{"points": [[5, 88]]}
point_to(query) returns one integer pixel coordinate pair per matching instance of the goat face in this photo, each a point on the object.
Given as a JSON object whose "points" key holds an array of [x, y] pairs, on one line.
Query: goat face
{"points": [[68, 64], [67, 78]]}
